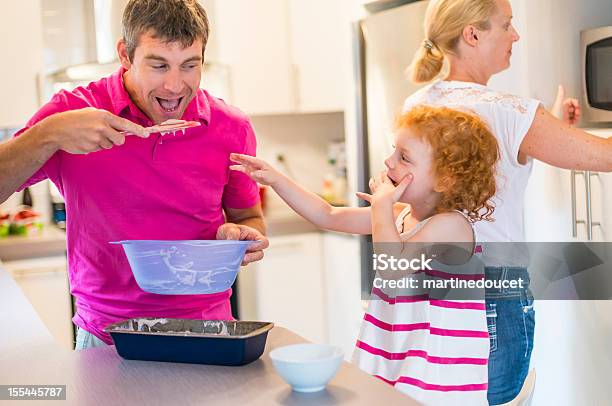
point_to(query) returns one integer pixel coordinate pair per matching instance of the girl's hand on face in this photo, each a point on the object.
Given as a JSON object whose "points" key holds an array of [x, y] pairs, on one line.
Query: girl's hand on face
{"points": [[258, 169], [383, 189]]}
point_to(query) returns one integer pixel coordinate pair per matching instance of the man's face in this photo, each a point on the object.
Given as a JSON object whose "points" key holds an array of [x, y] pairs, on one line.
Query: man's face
{"points": [[163, 77]]}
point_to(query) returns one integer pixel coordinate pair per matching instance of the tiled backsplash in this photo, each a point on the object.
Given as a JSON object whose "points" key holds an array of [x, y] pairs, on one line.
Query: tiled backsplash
{"points": [[303, 141]]}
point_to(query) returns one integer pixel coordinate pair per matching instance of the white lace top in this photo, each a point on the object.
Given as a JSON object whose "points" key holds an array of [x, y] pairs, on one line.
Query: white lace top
{"points": [[509, 118]]}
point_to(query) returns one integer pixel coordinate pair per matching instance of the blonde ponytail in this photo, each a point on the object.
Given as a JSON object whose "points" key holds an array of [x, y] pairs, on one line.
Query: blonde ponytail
{"points": [[428, 63], [444, 24]]}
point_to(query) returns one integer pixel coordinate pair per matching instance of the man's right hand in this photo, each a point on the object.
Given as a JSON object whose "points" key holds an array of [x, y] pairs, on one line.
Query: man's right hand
{"points": [[87, 130]]}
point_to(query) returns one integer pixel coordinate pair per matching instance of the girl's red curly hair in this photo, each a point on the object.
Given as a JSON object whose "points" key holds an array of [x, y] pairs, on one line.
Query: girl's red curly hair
{"points": [[465, 154]]}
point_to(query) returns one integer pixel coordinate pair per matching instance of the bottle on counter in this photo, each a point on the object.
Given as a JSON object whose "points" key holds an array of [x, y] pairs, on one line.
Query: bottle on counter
{"points": [[340, 188], [327, 191], [334, 185], [58, 207], [26, 198], [337, 161]]}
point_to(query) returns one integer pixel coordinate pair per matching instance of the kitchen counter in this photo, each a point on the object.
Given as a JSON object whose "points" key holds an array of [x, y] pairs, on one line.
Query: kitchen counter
{"points": [[51, 242], [284, 222], [29, 355]]}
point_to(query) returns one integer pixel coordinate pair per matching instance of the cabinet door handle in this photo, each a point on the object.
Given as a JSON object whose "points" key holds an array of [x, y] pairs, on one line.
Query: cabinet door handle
{"points": [[589, 211], [589, 202], [575, 220]]}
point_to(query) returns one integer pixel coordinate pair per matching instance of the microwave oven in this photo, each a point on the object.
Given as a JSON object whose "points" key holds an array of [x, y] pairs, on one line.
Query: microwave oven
{"points": [[596, 61]]}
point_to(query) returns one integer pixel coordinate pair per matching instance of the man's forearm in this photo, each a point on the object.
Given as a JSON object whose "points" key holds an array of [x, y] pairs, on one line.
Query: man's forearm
{"points": [[256, 222], [21, 157]]}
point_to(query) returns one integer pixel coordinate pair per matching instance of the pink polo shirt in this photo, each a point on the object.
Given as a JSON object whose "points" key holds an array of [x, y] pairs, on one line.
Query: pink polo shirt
{"points": [[160, 188]]}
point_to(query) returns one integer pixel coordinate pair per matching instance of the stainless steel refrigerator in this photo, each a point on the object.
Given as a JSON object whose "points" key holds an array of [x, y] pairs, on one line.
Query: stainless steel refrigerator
{"points": [[385, 44]]}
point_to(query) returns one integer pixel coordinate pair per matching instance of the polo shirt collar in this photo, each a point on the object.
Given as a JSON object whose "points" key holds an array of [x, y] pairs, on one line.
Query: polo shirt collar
{"points": [[120, 99]]}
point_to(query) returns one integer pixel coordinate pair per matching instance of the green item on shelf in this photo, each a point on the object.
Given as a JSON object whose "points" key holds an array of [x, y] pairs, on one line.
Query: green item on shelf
{"points": [[17, 229]]}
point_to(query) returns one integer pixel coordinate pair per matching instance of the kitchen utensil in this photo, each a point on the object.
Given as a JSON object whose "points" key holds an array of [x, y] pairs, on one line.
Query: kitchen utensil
{"points": [[214, 342], [307, 367], [169, 126], [184, 267]]}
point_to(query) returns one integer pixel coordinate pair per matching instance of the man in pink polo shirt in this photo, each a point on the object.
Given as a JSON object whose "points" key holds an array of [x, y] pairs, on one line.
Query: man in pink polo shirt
{"points": [[121, 187]]}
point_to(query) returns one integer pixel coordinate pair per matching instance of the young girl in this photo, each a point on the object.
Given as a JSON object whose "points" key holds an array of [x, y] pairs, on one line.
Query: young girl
{"points": [[438, 181]]}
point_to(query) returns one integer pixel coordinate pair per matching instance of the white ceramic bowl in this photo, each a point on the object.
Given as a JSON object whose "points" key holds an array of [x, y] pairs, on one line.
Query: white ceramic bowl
{"points": [[307, 367]]}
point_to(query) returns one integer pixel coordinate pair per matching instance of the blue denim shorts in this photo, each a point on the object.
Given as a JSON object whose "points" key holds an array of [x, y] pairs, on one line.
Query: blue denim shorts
{"points": [[85, 340], [511, 324]]}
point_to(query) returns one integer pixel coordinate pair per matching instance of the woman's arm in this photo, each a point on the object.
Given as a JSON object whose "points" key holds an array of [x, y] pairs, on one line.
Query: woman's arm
{"points": [[558, 144], [355, 220]]}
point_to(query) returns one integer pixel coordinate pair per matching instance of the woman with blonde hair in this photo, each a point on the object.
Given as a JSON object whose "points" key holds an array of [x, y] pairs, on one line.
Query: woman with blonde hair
{"points": [[475, 37]]}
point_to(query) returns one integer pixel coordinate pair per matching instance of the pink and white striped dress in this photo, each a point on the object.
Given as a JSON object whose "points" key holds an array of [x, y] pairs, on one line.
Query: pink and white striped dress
{"points": [[435, 351]]}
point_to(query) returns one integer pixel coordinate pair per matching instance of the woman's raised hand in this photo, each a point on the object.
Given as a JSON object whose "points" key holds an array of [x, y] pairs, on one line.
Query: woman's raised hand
{"points": [[566, 109], [258, 169]]}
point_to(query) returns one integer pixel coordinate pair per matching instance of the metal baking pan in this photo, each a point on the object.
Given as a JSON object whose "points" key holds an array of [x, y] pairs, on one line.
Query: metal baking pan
{"points": [[213, 342]]}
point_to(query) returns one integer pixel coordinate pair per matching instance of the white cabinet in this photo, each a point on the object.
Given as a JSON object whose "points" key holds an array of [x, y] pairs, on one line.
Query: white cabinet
{"points": [[21, 68], [283, 56], [318, 54], [44, 282], [341, 262], [289, 285], [601, 206], [250, 38]]}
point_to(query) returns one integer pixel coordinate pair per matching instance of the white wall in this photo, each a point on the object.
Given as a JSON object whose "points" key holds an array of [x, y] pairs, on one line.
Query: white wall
{"points": [[548, 52], [554, 41], [21, 68]]}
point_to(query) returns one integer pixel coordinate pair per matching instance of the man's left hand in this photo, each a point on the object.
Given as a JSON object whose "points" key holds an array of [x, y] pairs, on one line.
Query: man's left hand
{"points": [[231, 231]]}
